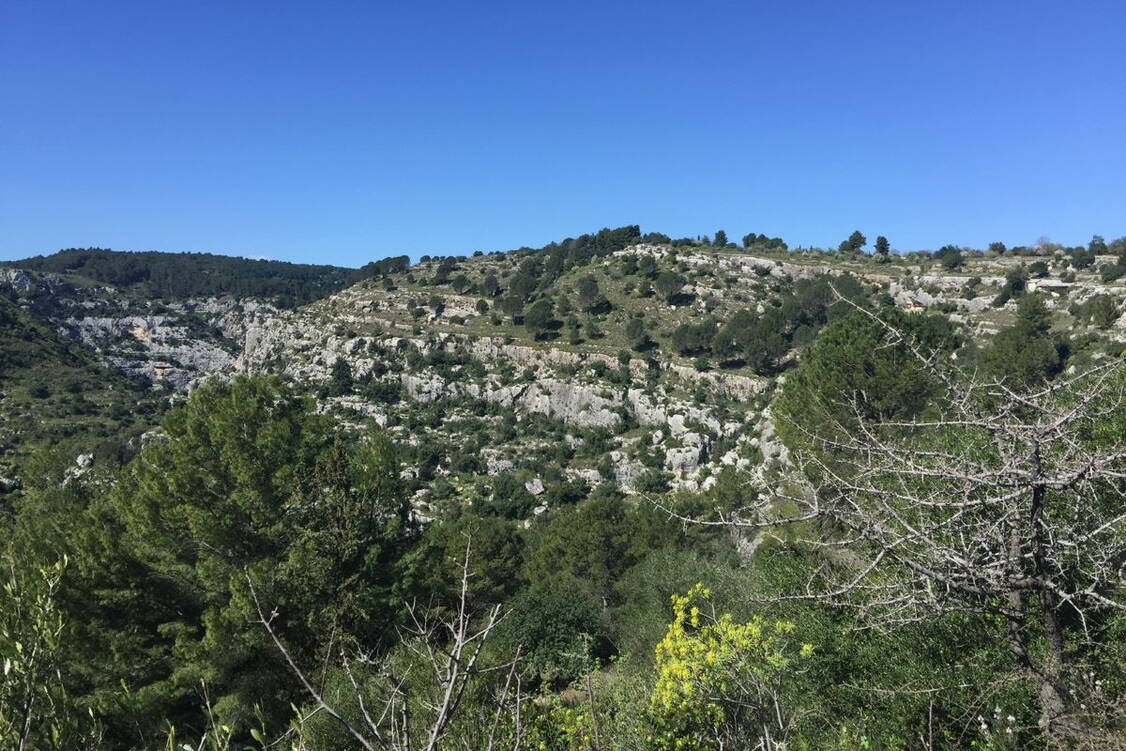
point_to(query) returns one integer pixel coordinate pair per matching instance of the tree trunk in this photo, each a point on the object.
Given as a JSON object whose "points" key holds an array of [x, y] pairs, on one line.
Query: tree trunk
{"points": [[1050, 675]]}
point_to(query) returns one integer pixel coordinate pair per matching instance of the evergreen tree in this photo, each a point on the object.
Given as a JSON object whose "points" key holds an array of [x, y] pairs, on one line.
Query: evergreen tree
{"points": [[669, 284], [249, 482], [949, 256], [693, 338], [511, 305], [1081, 259], [538, 317], [1026, 353], [340, 381], [851, 371], [647, 266], [460, 283], [590, 296], [637, 335], [522, 284]]}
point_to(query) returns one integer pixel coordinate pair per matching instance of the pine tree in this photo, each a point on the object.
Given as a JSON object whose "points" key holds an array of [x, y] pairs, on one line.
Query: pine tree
{"points": [[538, 317], [250, 482], [340, 382]]}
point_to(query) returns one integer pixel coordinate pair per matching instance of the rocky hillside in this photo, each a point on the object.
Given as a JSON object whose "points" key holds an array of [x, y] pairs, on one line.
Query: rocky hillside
{"points": [[56, 392], [518, 383]]}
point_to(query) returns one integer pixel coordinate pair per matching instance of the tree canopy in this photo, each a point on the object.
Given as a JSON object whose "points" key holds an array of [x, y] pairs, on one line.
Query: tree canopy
{"points": [[248, 483], [177, 276]]}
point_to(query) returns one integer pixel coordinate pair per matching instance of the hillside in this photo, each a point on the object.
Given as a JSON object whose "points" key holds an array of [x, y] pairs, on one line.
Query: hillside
{"points": [[604, 358], [633, 381], [679, 487], [181, 276], [54, 391]]}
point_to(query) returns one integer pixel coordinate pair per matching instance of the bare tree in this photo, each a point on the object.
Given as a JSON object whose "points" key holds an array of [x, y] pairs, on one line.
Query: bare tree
{"points": [[1009, 503], [450, 647]]}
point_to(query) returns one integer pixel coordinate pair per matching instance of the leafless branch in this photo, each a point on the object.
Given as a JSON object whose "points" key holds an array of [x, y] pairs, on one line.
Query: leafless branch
{"points": [[999, 498], [451, 647]]}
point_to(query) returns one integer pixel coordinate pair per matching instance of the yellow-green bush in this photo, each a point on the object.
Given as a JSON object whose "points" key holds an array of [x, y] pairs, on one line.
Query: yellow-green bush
{"points": [[719, 680]]}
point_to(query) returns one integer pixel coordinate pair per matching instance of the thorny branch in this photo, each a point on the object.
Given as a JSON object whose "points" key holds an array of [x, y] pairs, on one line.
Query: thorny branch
{"points": [[450, 647], [1009, 502]]}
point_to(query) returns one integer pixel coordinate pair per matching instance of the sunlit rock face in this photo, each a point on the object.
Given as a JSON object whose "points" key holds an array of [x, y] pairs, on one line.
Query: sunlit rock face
{"points": [[410, 345]]}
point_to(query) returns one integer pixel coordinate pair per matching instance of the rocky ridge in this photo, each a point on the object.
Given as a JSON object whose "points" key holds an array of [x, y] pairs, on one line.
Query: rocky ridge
{"points": [[651, 415]]}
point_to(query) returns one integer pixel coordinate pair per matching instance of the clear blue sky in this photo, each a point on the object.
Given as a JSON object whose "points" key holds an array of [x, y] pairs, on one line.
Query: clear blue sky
{"points": [[340, 132]]}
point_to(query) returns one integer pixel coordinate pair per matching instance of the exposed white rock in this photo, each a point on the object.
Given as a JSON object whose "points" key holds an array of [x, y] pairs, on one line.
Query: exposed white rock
{"points": [[590, 476], [495, 466], [82, 465], [684, 460]]}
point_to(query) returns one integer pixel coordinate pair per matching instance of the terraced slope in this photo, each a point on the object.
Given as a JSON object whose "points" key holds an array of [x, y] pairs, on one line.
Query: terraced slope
{"points": [[648, 366]]}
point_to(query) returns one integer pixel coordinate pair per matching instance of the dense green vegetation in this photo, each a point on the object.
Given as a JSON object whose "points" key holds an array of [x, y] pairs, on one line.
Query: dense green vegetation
{"points": [[178, 276], [930, 564], [380, 268], [256, 574]]}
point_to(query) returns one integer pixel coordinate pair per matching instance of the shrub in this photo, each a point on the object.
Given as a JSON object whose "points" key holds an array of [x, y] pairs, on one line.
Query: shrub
{"points": [[719, 680]]}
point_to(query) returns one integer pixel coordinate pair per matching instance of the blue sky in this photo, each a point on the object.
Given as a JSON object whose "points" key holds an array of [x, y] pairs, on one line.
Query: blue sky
{"points": [[339, 132]]}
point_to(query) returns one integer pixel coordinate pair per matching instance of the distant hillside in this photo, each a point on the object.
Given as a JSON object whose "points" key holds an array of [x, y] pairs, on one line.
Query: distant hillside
{"points": [[53, 389], [178, 276]]}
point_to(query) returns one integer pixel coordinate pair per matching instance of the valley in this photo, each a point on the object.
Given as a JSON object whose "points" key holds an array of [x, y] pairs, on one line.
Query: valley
{"points": [[568, 447]]}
